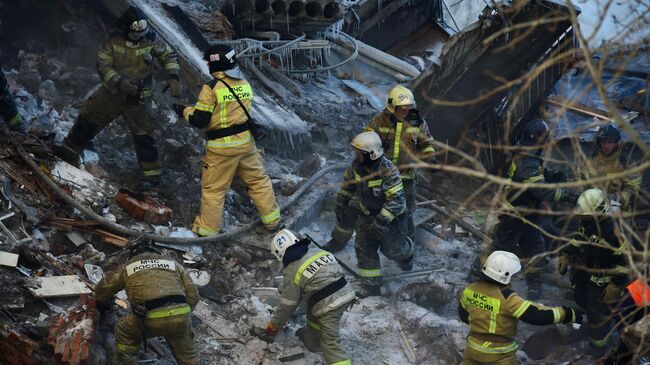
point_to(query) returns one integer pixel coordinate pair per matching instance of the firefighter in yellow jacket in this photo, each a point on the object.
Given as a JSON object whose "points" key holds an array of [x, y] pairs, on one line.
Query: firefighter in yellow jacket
{"points": [[606, 160], [162, 297], [223, 109], [406, 139], [492, 311], [125, 63], [315, 276]]}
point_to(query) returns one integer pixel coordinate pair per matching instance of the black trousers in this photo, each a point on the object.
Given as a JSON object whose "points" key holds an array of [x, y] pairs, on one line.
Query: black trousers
{"points": [[518, 236]]}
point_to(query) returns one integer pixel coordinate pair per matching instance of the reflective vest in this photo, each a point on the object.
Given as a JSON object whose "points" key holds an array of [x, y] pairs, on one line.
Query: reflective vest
{"points": [[640, 292]]}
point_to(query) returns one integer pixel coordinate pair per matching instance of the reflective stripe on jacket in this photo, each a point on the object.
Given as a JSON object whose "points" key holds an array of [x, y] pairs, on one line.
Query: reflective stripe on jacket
{"points": [[219, 109], [403, 142], [526, 168], [493, 313], [306, 276], [599, 249], [379, 189], [117, 58], [149, 276]]}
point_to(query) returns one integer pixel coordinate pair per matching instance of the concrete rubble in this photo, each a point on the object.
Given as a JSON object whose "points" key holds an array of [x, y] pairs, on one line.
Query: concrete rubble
{"points": [[46, 246]]}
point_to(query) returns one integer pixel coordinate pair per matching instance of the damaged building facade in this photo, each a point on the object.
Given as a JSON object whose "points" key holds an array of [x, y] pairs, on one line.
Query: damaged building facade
{"points": [[320, 71]]}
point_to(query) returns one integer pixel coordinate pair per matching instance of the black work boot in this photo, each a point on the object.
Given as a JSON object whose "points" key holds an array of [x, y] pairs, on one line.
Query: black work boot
{"points": [[67, 155], [148, 185], [369, 291], [334, 246], [261, 229]]}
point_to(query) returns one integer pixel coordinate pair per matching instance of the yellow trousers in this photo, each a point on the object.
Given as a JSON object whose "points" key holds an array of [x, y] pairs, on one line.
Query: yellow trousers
{"points": [[473, 357], [218, 172], [177, 331]]}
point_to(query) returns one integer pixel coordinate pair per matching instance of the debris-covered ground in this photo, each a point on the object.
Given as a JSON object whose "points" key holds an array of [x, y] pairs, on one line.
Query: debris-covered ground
{"points": [[51, 254]]}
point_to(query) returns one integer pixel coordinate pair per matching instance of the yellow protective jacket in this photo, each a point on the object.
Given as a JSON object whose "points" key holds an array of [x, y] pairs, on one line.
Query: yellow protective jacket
{"points": [[119, 58], [378, 190], [303, 278], [149, 276], [624, 188], [217, 108], [403, 142], [493, 312]]}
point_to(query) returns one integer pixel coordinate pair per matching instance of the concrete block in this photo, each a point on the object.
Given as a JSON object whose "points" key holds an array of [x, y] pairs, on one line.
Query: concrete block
{"points": [[292, 354], [57, 286], [8, 259]]}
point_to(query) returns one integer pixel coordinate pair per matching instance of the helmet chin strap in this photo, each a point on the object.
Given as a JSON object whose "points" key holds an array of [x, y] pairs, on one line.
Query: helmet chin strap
{"points": [[367, 160]]}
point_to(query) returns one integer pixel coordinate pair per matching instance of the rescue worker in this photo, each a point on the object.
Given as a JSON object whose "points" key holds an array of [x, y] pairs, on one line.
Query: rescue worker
{"points": [[372, 185], [406, 137], [601, 272], [493, 311], [606, 159], [162, 297], [315, 276], [8, 110], [125, 63], [223, 108], [517, 229]]}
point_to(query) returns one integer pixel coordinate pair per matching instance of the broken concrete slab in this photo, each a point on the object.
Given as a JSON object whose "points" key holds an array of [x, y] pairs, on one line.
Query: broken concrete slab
{"points": [[366, 92], [57, 286], [311, 165], [8, 259], [271, 296], [292, 354], [65, 173], [76, 238], [214, 321]]}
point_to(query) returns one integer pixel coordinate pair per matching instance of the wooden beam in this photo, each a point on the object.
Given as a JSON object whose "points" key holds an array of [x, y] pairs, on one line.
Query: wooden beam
{"points": [[588, 110]]}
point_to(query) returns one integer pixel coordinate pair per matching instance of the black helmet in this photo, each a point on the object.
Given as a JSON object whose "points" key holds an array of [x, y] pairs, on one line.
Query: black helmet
{"points": [[609, 133], [142, 247], [220, 57], [134, 24], [534, 133]]}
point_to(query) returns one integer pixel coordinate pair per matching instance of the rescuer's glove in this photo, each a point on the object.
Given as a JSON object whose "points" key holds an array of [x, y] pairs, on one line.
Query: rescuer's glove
{"points": [[266, 334], [563, 264], [379, 227], [174, 87], [179, 108], [611, 293], [128, 86], [573, 315], [16, 123], [104, 306]]}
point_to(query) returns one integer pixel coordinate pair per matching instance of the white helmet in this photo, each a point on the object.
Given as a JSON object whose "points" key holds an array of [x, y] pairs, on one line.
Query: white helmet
{"points": [[501, 265], [592, 201], [281, 241], [368, 142]]}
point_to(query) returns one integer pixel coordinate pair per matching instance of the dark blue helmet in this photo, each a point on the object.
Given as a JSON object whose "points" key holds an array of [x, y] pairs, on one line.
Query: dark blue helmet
{"points": [[220, 57], [534, 133]]}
